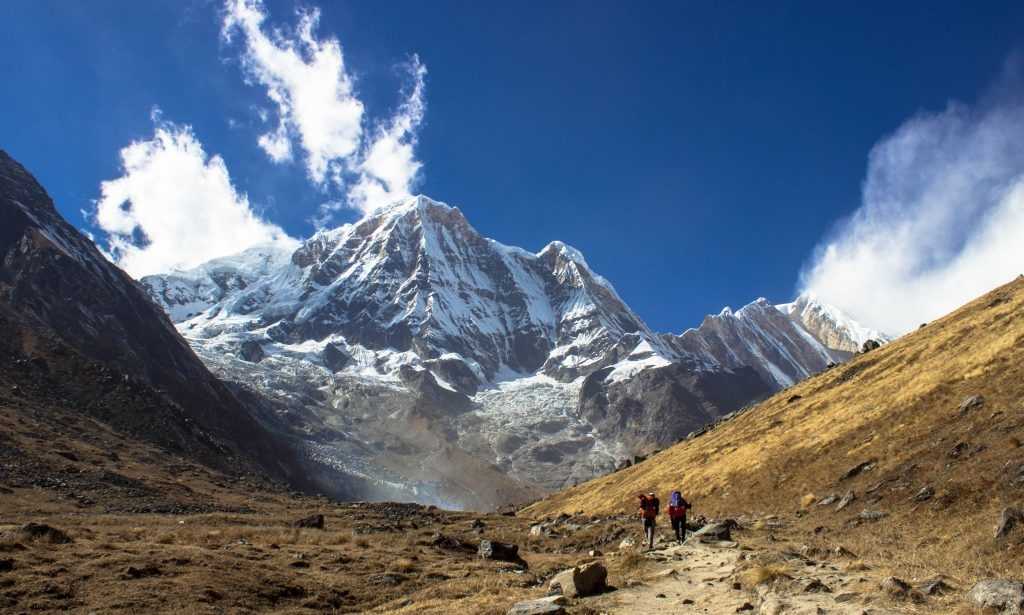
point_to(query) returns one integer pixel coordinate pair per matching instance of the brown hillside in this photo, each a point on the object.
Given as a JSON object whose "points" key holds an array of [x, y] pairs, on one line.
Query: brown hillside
{"points": [[898, 407]]}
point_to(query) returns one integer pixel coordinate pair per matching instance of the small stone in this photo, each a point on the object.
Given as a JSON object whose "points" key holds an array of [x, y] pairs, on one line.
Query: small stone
{"points": [[817, 587], [847, 499], [858, 469], [746, 606], [552, 605], [312, 521], [971, 403], [873, 515], [895, 587], [1008, 519], [925, 494], [935, 587]]}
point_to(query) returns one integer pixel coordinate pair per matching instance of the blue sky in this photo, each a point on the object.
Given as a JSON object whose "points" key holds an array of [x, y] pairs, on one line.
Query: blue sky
{"points": [[697, 153]]}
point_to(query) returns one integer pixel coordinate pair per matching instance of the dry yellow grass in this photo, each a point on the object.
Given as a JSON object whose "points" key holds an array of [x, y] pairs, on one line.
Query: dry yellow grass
{"points": [[898, 406]]}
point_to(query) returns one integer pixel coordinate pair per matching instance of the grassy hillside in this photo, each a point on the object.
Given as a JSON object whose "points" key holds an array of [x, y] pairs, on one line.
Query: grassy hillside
{"points": [[896, 407]]}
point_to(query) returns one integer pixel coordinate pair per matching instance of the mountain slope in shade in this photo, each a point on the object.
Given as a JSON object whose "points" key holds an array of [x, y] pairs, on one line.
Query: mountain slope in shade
{"points": [[418, 346], [68, 310]]}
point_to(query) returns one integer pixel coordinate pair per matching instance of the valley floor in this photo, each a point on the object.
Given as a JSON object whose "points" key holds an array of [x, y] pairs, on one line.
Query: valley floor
{"points": [[404, 558]]}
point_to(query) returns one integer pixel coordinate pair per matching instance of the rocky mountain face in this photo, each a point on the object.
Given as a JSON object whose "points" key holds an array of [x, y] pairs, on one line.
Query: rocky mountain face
{"points": [[93, 339], [442, 366]]}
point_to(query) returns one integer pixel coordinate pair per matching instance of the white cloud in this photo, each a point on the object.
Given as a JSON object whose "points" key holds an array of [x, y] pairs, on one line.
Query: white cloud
{"points": [[318, 110], [389, 168], [941, 220], [306, 79], [175, 207]]}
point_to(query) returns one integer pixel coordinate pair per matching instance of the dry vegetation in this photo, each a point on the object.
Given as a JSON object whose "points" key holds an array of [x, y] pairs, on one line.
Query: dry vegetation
{"points": [[897, 407]]}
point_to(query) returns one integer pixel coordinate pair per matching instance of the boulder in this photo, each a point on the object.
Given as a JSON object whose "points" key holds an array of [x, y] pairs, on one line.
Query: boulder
{"points": [[1009, 518], [1000, 594], [870, 345], [312, 521], [712, 531], [552, 605], [499, 551], [585, 580]]}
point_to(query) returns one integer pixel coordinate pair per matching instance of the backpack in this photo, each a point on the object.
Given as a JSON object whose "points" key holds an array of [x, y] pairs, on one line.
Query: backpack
{"points": [[676, 499]]}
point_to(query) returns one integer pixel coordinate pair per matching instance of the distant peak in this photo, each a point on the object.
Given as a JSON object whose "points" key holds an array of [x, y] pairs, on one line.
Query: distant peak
{"points": [[419, 203], [566, 251]]}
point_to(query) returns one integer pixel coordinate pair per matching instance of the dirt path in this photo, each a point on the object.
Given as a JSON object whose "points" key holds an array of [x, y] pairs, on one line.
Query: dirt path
{"points": [[699, 578]]}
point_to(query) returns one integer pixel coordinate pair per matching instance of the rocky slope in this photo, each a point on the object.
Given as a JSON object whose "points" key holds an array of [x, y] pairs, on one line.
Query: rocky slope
{"points": [[75, 329], [408, 349]]}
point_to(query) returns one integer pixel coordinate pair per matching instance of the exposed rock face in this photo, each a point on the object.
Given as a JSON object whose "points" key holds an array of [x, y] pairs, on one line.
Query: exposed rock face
{"points": [[56, 286], [407, 345], [656, 406]]}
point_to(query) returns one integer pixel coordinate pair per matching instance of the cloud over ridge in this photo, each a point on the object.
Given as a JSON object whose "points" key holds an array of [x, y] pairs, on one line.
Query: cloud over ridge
{"points": [[941, 219], [174, 206]]}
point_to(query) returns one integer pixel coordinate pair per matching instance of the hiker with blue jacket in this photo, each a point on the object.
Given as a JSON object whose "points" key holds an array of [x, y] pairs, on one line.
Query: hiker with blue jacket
{"points": [[677, 508]]}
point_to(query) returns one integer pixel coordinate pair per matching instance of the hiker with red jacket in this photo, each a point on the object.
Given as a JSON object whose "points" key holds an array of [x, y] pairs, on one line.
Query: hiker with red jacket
{"points": [[677, 508], [649, 505]]}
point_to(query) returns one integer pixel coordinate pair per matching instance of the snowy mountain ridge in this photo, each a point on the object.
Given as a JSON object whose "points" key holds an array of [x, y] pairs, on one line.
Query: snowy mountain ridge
{"points": [[408, 336]]}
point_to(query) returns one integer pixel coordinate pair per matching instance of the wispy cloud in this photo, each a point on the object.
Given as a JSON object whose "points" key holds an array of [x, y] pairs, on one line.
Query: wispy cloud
{"points": [[941, 220], [174, 206], [319, 112]]}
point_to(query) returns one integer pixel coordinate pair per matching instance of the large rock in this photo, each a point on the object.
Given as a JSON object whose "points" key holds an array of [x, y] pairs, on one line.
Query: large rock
{"points": [[1006, 596], [585, 580], [552, 605], [712, 531], [499, 551]]}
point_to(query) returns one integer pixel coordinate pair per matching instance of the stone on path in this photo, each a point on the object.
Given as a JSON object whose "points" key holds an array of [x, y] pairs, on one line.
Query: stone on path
{"points": [[585, 580], [552, 605]]}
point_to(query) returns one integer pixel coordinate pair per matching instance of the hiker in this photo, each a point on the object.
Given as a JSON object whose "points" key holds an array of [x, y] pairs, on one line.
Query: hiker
{"points": [[677, 508], [649, 512]]}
